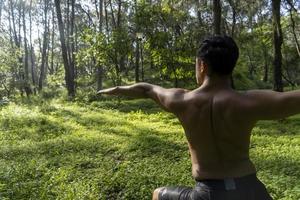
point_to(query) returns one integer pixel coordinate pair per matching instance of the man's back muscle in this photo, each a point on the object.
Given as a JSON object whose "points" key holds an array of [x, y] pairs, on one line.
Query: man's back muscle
{"points": [[218, 133]]}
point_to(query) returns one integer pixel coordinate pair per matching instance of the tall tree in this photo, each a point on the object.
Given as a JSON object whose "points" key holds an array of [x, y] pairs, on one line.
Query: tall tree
{"points": [[32, 55], [233, 5], [99, 70], [217, 13], [51, 71], [277, 42], [27, 88], [71, 39], [69, 74], [137, 48], [1, 6], [293, 24], [44, 47], [15, 31]]}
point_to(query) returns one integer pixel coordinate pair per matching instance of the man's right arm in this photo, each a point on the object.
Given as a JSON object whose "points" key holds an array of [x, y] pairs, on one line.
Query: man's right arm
{"points": [[267, 104], [171, 100]]}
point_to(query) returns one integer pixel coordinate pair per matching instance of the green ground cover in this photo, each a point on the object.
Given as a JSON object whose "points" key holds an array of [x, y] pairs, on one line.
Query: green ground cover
{"points": [[120, 150]]}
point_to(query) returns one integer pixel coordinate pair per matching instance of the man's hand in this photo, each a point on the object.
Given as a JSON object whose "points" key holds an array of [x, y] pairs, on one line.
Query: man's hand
{"points": [[109, 91]]}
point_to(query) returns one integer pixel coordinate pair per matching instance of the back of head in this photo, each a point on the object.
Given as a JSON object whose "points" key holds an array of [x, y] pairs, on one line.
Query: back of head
{"points": [[220, 53]]}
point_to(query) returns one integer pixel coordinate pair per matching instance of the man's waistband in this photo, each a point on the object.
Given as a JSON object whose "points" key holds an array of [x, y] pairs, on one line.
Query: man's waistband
{"points": [[228, 183]]}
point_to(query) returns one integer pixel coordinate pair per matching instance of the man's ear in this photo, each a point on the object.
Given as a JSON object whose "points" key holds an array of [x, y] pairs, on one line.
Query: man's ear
{"points": [[203, 67]]}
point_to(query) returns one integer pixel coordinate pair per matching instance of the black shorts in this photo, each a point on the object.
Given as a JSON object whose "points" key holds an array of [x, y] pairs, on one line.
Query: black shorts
{"points": [[244, 188]]}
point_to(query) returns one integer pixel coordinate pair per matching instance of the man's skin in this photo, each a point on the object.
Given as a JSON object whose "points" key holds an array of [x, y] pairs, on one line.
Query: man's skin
{"points": [[217, 120]]}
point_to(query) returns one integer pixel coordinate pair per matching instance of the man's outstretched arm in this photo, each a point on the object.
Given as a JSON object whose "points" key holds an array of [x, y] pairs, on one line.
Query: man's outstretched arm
{"points": [[266, 104], [169, 99]]}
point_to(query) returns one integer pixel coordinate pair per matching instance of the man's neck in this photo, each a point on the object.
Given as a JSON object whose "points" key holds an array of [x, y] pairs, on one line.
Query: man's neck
{"points": [[217, 82]]}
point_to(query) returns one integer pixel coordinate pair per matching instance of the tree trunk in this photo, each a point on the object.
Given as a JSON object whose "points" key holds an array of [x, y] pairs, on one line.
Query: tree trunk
{"points": [[1, 6], [11, 40], [26, 68], [266, 64], [142, 63], [17, 43], [19, 23], [199, 13], [137, 49], [217, 16], [99, 73], [69, 78], [294, 32], [106, 19], [119, 23], [15, 36], [119, 13], [277, 37], [233, 8], [112, 15], [21, 70], [137, 61], [44, 48], [32, 56], [52, 44], [72, 41]]}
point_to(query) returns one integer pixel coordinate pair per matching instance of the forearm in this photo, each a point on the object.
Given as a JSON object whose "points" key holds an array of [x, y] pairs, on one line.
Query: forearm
{"points": [[168, 99], [138, 90]]}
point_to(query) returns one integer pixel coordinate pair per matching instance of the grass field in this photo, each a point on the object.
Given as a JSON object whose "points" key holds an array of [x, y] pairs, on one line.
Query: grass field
{"points": [[120, 150]]}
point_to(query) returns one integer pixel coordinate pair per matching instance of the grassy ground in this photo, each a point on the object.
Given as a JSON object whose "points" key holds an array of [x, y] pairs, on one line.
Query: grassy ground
{"points": [[120, 150]]}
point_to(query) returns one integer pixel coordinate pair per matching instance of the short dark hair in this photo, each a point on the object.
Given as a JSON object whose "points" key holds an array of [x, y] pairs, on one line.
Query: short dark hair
{"points": [[220, 53]]}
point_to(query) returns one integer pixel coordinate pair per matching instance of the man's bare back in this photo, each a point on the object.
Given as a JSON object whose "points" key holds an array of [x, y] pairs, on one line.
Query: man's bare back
{"points": [[218, 122], [218, 133]]}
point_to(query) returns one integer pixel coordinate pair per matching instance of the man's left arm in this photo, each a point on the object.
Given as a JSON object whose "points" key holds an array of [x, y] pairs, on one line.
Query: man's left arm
{"points": [[171, 100]]}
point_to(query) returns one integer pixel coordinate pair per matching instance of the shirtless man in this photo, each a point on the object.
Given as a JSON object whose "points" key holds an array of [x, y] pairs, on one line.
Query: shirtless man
{"points": [[217, 121]]}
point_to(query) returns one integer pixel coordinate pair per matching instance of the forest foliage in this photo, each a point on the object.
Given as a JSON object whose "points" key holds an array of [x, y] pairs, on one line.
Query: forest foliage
{"points": [[47, 46]]}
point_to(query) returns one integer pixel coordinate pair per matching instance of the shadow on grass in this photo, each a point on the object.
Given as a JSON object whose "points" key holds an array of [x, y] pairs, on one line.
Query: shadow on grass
{"points": [[151, 145], [279, 165], [126, 106], [33, 128], [288, 126], [141, 142], [281, 176], [59, 112]]}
